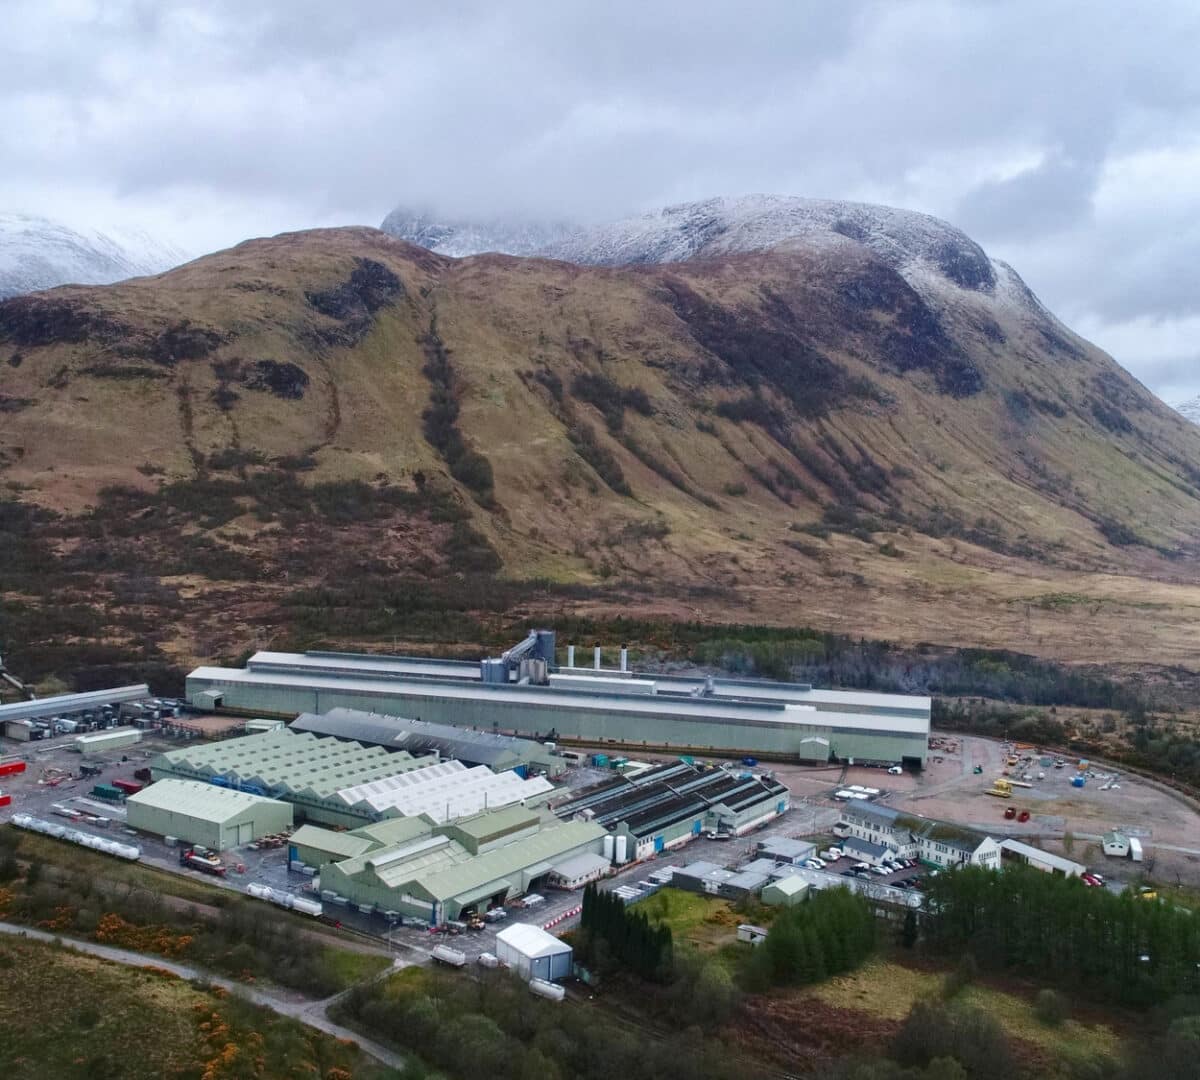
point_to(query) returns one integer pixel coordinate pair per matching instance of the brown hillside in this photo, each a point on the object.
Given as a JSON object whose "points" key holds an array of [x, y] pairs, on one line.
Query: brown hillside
{"points": [[794, 437]]}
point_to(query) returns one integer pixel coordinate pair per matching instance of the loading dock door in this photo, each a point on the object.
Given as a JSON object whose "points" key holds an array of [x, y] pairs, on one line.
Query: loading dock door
{"points": [[658, 843], [245, 832]]}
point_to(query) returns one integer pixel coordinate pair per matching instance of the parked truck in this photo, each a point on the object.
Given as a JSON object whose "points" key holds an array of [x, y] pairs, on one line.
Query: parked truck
{"points": [[204, 861]]}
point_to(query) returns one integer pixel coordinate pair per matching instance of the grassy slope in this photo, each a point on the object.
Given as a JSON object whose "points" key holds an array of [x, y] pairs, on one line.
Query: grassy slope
{"points": [[888, 990], [1038, 481], [78, 1016]]}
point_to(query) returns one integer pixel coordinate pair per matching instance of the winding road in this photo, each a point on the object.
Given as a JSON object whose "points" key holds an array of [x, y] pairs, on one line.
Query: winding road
{"points": [[310, 1013]]}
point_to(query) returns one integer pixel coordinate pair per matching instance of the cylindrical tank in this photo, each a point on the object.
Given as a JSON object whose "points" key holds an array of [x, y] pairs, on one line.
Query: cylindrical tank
{"points": [[570, 656], [550, 991], [307, 907], [609, 840], [596, 654], [263, 892], [624, 657], [622, 844]]}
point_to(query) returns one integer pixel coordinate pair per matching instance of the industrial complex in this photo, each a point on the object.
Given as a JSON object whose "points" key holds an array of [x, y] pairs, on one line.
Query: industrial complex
{"points": [[524, 692], [343, 783]]}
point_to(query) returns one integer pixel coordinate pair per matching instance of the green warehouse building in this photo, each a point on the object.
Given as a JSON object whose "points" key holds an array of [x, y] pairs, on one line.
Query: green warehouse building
{"points": [[205, 815], [443, 871]]}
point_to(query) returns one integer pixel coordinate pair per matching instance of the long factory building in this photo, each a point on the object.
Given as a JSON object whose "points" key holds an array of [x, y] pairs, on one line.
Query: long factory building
{"points": [[537, 699]]}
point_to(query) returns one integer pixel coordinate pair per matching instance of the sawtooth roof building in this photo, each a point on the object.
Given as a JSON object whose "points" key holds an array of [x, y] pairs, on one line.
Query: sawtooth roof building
{"points": [[722, 716], [499, 753], [345, 783], [664, 807]]}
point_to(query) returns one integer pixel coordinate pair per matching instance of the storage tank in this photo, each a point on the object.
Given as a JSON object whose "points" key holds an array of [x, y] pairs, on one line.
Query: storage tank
{"points": [[306, 907], [620, 855], [548, 990], [609, 846], [263, 892], [443, 954]]}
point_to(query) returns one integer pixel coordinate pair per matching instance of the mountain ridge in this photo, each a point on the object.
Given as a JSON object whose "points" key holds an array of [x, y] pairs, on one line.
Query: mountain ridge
{"points": [[306, 432], [39, 253]]}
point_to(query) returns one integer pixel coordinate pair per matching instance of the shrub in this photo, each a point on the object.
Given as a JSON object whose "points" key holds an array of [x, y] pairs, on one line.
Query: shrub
{"points": [[1050, 1007]]}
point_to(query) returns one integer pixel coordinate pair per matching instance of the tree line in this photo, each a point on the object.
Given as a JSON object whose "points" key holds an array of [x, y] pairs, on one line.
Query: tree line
{"points": [[1117, 948], [611, 929], [831, 933]]}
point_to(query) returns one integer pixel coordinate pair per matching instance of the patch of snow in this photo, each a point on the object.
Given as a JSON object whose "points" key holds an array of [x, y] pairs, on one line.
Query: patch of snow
{"points": [[930, 254], [38, 253]]}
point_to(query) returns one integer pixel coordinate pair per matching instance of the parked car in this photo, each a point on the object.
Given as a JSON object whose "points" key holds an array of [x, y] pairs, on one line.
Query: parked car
{"points": [[1010, 812], [1023, 816], [895, 770], [832, 854], [883, 871], [862, 866], [533, 899]]}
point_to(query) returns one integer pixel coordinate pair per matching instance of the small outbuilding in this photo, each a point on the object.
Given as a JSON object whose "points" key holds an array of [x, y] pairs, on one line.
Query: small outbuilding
{"points": [[863, 850], [576, 871], [784, 849], [1116, 843], [785, 892], [533, 953], [205, 814], [1045, 861]]}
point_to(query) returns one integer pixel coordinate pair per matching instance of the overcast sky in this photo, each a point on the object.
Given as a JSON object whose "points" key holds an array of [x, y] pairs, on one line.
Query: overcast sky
{"points": [[1065, 137]]}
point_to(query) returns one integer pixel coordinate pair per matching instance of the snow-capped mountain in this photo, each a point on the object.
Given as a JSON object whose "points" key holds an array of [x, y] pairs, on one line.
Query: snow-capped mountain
{"points": [[38, 253], [927, 252], [1190, 410]]}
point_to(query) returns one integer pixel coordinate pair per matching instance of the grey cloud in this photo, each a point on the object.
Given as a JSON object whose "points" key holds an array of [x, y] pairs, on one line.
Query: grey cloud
{"points": [[219, 116]]}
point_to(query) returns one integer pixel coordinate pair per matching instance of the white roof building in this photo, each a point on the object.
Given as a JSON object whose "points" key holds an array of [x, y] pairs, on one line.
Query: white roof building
{"points": [[446, 791], [533, 952]]}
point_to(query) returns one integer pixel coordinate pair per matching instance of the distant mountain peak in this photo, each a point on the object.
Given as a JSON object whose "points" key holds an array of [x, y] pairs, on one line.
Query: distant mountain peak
{"points": [[40, 253], [918, 246]]}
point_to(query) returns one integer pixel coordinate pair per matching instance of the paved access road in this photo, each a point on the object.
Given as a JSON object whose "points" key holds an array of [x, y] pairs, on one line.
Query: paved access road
{"points": [[310, 1013]]}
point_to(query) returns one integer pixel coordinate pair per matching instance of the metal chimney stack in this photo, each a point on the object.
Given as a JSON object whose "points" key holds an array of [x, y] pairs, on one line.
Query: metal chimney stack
{"points": [[597, 656], [570, 656], [624, 657]]}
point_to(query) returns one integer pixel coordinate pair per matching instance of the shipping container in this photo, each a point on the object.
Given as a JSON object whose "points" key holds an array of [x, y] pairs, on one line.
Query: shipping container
{"points": [[108, 793], [11, 767], [107, 740], [130, 787]]}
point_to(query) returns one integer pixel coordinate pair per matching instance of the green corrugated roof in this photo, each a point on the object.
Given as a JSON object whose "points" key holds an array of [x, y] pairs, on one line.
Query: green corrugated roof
{"points": [[395, 830], [194, 798], [545, 846], [496, 823], [343, 845], [292, 761]]}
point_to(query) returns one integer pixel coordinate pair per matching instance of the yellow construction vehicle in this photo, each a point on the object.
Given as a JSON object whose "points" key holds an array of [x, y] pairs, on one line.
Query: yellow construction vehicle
{"points": [[1001, 788]]}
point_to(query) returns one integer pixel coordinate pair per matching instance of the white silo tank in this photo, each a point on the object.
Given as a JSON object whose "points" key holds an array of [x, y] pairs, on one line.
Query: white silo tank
{"points": [[622, 843], [608, 846]]}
